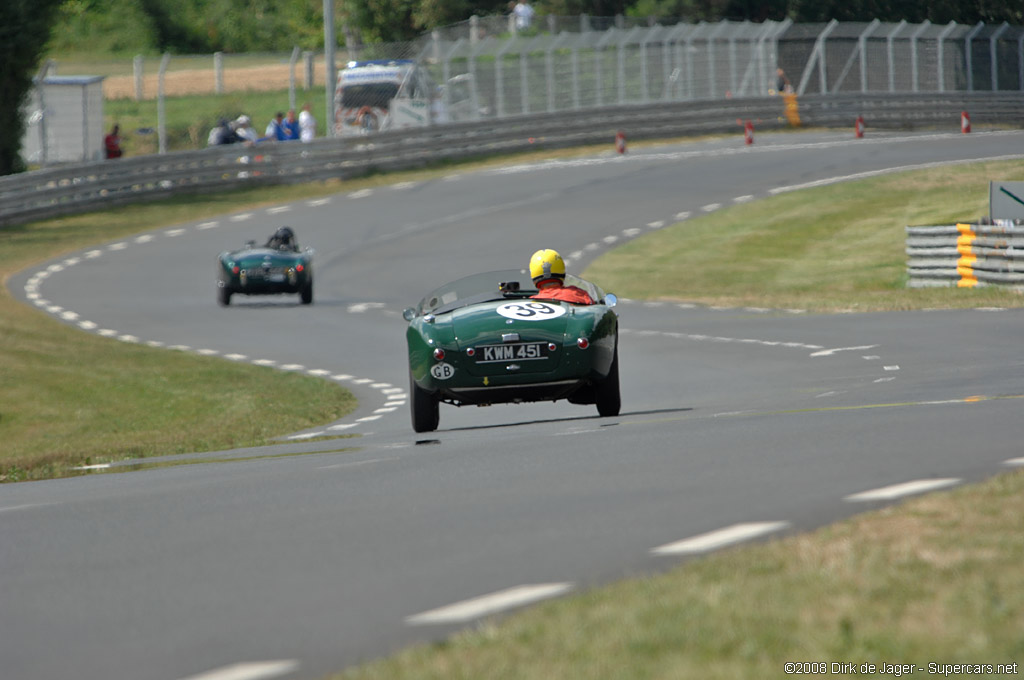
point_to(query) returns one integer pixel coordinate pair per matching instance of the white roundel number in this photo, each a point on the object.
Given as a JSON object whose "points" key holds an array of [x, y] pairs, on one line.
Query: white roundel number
{"points": [[530, 310], [442, 371]]}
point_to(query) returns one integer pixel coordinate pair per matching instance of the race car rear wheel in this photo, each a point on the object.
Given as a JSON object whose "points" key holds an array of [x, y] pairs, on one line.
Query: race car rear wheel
{"points": [[224, 296], [306, 296], [607, 391], [425, 408]]}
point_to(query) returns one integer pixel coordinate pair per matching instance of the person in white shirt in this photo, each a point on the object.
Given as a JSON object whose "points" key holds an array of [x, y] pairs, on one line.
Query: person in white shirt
{"points": [[245, 130], [523, 13], [307, 124]]}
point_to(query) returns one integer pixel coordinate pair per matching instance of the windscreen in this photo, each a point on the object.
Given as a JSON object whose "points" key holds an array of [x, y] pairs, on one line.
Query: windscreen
{"points": [[377, 95]]}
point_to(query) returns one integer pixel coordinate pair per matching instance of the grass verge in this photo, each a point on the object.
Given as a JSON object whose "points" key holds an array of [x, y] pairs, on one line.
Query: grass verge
{"points": [[69, 398], [833, 248]]}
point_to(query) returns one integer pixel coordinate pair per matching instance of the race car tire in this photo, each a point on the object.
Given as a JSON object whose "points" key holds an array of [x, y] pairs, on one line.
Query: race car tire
{"points": [[424, 407], [608, 399], [306, 296], [223, 296]]}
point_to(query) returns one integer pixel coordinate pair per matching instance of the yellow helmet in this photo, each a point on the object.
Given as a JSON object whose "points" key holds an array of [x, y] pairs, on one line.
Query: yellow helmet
{"points": [[547, 264]]}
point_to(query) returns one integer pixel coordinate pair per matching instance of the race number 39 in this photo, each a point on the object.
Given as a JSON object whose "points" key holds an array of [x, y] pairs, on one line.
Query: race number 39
{"points": [[531, 311]]}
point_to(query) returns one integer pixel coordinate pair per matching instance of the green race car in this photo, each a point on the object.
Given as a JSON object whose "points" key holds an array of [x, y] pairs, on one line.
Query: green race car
{"points": [[278, 267], [482, 340]]}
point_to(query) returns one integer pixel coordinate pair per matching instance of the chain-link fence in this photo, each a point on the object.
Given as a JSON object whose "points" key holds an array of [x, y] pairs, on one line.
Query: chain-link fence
{"points": [[488, 67]]}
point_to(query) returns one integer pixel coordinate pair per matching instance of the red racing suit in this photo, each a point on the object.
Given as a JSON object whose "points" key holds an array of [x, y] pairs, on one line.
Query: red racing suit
{"points": [[572, 294]]}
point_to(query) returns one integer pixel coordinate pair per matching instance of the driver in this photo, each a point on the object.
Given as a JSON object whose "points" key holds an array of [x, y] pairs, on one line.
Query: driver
{"points": [[283, 239], [548, 271]]}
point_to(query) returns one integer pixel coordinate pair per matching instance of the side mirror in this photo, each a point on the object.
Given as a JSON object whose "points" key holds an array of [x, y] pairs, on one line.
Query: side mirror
{"points": [[610, 299], [409, 314]]}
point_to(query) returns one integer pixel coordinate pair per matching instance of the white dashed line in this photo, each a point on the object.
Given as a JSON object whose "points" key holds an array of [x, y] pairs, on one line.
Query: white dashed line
{"points": [[145, 238], [279, 209], [362, 193], [316, 203], [720, 538], [680, 216], [171, 233], [1014, 461], [888, 493], [117, 246], [256, 670], [207, 225], [241, 217], [831, 352], [658, 224], [293, 367], [711, 207], [486, 605], [743, 199]]}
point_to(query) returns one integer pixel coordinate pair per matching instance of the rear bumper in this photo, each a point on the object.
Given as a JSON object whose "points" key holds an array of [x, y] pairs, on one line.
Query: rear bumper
{"points": [[508, 394]]}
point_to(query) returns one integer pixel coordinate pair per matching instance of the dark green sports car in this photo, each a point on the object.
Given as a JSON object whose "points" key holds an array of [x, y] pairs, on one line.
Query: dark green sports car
{"points": [[265, 270], [482, 340]]}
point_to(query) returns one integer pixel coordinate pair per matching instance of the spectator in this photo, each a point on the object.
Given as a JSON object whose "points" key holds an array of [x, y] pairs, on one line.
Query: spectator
{"points": [[244, 129], [524, 14], [275, 130], [782, 84], [112, 143], [224, 133], [291, 126], [307, 124]]}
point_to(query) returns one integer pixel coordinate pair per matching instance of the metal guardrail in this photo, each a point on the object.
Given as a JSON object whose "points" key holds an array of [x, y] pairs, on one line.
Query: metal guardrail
{"points": [[82, 187], [965, 255]]}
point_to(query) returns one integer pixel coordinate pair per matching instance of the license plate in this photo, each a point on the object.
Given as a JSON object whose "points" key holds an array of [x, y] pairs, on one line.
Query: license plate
{"points": [[520, 351]]}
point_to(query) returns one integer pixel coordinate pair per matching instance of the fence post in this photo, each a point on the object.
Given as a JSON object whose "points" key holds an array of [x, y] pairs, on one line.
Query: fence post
{"points": [[161, 113], [291, 76], [993, 53], [967, 52], [307, 62], [892, 66], [941, 68], [218, 72], [137, 72]]}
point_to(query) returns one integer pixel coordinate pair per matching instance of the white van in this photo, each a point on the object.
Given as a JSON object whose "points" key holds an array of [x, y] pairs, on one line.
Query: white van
{"points": [[383, 94]]}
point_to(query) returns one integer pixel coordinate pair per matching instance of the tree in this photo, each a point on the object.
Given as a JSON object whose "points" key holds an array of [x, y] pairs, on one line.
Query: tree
{"points": [[25, 28]]}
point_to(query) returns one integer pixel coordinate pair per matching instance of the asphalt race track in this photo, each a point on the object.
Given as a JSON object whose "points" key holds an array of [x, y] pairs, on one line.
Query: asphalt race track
{"points": [[756, 422]]}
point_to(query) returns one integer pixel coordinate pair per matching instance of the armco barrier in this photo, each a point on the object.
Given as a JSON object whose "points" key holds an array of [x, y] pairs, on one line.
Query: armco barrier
{"points": [[76, 188], [965, 255]]}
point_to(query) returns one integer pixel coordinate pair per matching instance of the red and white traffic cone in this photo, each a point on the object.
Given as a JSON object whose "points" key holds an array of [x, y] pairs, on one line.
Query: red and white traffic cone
{"points": [[748, 133], [858, 127], [965, 122], [620, 141]]}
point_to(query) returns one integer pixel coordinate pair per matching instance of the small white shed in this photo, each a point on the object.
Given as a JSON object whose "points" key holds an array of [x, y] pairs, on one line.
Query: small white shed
{"points": [[64, 121]]}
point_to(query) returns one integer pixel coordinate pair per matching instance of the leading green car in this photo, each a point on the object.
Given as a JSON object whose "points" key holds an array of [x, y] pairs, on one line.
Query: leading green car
{"points": [[482, 340]]}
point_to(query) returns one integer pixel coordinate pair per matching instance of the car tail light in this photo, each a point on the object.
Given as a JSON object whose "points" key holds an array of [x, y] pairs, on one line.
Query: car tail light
{"points": [[552, 347], [582, 343], [236, 269], [439, 354], [299, 267], [470, 352]]}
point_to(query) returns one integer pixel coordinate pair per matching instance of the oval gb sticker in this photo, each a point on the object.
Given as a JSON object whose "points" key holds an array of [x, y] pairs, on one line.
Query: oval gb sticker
{"points": [[442, 371], [531, 310]]}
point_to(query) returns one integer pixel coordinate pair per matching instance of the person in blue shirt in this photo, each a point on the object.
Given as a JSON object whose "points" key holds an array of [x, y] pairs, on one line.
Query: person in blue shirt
{"points": [[291, 126], [275, 130]]}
